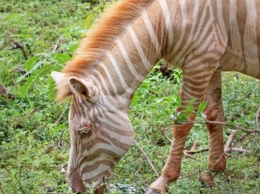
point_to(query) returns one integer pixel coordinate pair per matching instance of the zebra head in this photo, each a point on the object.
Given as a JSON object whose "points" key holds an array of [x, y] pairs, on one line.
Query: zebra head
{"points": [[100, 133]]}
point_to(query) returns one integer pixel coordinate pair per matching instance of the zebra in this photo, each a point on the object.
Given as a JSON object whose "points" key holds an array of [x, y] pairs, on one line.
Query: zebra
{"points": [[200, 37]]}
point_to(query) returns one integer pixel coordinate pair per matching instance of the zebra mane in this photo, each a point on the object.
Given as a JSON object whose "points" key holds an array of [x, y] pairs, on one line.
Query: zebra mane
{"points": [[100, 39]]}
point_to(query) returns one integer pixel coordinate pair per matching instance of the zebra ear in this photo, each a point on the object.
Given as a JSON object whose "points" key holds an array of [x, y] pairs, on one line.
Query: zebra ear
{"points": [[57, 76], [83, 88]]}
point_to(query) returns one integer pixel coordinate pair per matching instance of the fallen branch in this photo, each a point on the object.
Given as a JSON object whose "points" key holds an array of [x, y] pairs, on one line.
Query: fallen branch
{"points": [[164, 134], [229, 140], [188, 155], [18, 45], [196, 151], [194, 146], [22, 71], [237, 150], [224, 123], [57, 45], [256, 118], [147, 158]]}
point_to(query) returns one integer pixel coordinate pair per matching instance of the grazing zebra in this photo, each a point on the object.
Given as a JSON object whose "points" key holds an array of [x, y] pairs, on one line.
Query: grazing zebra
{"points": [[201, 37]]}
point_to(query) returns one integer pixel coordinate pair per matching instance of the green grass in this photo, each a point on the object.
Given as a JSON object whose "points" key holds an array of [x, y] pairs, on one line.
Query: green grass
{"points": [[34, 137]]}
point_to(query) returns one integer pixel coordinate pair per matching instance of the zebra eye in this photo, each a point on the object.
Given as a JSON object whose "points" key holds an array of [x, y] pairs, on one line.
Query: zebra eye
{"points": [[85, 130]]}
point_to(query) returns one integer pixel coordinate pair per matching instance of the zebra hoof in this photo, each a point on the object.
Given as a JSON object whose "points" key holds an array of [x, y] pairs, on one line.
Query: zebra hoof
{"points": [[152, 191], [208, 180]]}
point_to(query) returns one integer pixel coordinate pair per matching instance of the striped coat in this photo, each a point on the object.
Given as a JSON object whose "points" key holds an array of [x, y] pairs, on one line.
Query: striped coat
{"points": [[201, 37]]}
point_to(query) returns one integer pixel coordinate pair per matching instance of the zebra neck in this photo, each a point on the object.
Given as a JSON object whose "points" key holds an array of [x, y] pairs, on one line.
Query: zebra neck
{"points": [[131, 58]]}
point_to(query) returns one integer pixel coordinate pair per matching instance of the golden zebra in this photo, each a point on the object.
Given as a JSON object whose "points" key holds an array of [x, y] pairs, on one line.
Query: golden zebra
{"points": [[201, 37]]}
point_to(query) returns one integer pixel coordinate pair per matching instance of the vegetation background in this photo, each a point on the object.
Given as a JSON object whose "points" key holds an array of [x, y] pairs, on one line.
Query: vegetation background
{"points": [[34, 137]]}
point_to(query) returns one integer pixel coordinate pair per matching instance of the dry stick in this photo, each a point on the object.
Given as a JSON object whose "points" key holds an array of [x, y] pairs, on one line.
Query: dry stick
{"points": [[22, 71], [1, 189], [60, 139], [230, 149], [164, 134], [238, 150], [188, 155], [194, 146], [256, 118], [223, 123], [57, 45], [197, 151], [229, 140], [58, 120], [147, 158], [18, 45]]}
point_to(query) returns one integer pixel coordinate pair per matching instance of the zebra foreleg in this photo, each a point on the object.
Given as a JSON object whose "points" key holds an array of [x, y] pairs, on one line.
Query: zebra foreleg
{"points": [[214, 112], [171, 170]]}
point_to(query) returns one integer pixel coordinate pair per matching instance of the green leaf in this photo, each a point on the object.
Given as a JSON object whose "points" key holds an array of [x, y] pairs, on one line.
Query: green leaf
{"points": [[34, 79], [61, 58], [202, 106], [31, 62], [40, 63], [89, 20]]}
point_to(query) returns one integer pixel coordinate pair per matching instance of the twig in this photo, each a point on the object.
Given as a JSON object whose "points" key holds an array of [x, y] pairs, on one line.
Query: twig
{"points": [[196, 151], [256, 118], [188, 155], [1, 189], [147, 158], [164, 134], [18, 45], [230, 149], [242, 138], [194, 146], [57, 45], [22, 71], [223, 123], [58, 120], [60, 139], [229, 140], [237, 150]]}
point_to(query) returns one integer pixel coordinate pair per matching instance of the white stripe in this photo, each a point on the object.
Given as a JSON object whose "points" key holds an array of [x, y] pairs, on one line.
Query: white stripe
{"points": [[150, 30], [100, 158], [250, 37], [104, 85], [110, 100], [121, 78], [116, 150], [100, 170], [139, 48], [109, 77], [201, 27], [167, 17], [132, 69], [222, 26], [183, 23]]}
